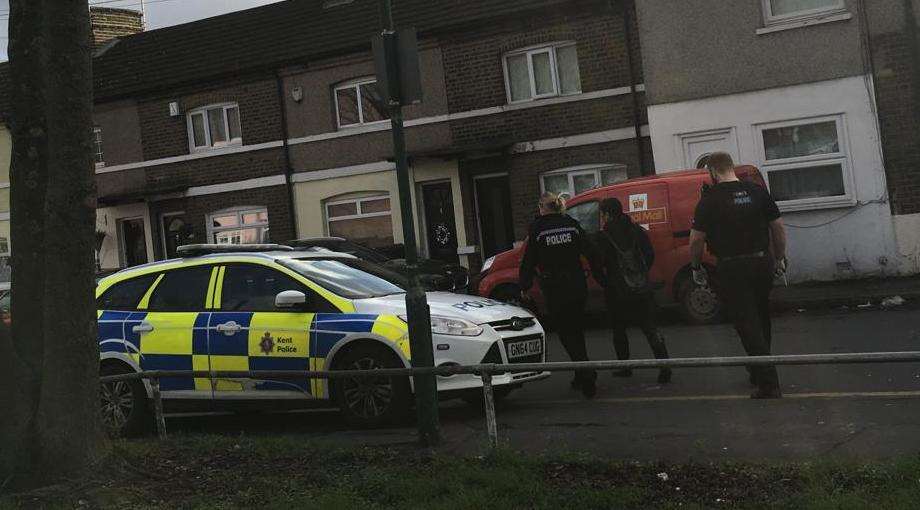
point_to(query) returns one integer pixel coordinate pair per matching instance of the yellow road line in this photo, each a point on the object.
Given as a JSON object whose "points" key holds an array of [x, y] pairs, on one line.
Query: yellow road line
{"points": [[692, 398]]}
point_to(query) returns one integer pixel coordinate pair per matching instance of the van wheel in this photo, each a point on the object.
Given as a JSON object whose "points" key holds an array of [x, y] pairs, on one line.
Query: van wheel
{"points": [[123, 404], [507, 293], [371, 402], [698, 305]]}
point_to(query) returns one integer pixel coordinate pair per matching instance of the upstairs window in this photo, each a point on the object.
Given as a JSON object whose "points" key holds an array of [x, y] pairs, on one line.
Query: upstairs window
{"points": [[778, 12], [214, 126], [358, 102], [545, 71], [98, 155]]}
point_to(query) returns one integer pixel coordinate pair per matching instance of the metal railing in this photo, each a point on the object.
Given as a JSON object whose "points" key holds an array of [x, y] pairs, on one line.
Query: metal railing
{"points": [[486, 371]]}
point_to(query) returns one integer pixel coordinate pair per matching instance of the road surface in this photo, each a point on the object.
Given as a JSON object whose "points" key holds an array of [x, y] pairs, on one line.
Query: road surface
{"points": [[863, 411]]}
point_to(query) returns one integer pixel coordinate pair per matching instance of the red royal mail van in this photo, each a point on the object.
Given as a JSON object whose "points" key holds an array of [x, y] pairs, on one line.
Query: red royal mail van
{"points": [[664, 204]]}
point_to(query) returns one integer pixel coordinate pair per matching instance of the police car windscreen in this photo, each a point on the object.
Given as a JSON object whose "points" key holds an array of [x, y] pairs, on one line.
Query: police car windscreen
{"points": [[354, 279]]}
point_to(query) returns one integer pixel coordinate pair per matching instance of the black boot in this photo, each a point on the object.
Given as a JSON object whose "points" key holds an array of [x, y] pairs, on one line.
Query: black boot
{"points": [[588, 383], [664, 376], [765, 393]]}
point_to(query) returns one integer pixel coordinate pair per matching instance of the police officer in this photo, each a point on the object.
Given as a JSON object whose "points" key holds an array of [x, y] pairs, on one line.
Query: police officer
{"points": [[554, 248], [627, 255], [743, 228]]}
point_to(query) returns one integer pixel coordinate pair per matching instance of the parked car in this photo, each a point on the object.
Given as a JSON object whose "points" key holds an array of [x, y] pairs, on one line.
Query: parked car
{"points": [[664, 204], [435, 274], [273, 308]]}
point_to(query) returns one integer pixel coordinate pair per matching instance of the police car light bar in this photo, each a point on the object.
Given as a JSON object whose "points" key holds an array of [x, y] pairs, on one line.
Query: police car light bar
{"points": [[196, 250]]}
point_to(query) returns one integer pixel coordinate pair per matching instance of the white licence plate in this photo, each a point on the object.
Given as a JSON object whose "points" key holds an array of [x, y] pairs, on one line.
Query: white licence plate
{"points": [[524, 348]]}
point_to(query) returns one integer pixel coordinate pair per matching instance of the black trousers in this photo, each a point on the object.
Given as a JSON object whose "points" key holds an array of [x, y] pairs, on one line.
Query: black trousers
{"points": [[744, 288], [637, 310], [567, 311]]}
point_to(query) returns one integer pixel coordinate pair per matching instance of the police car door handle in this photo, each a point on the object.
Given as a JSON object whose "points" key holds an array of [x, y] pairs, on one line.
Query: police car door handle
{"points": [[229, 328], [144, 327]]}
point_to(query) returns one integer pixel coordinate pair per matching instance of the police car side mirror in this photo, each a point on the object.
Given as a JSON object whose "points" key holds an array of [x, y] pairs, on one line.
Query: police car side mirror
{"points": [[290, 299]]}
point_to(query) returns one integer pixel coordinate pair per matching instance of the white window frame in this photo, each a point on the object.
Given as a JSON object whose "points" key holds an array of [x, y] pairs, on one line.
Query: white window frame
{"points": [[203, 111], [573, 171], [551, 49], [239, 211], [98, 153], [354, 84], [771, 20], [358, 201], [842, 157]]}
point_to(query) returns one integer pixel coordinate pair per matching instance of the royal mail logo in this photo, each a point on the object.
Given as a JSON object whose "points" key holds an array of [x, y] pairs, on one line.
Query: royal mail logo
{"points": [[638, 202], [650, 216]]}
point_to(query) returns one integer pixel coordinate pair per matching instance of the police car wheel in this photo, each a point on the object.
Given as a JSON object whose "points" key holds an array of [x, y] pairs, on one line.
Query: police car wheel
{"points": [[376, 401], [699, 305], [123, 405]]}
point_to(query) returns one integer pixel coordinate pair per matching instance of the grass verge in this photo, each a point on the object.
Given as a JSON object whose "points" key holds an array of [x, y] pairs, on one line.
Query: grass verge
{"points": [[218, 472]]}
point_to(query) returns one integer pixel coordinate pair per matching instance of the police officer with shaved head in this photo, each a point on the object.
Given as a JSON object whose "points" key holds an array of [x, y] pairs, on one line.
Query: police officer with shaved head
{"points": [[554, 250], [742, 226]]}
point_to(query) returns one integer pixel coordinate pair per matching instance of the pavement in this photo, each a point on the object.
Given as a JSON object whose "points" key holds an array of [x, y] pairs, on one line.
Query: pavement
{"points": [[845, 293], [841, 411]]}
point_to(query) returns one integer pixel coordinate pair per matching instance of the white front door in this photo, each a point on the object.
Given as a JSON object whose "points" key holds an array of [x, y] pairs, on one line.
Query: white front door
{"points": [[697, 146]]}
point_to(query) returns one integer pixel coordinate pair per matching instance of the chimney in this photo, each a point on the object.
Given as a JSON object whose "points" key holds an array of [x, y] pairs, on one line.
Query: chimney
{"points": [[111, 23]]}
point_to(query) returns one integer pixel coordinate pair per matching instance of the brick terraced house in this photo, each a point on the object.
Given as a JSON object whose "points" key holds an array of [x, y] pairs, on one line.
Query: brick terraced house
{"points": [[266, 124]]}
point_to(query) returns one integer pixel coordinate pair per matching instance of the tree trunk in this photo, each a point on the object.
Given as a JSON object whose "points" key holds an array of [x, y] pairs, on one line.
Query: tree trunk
{"points": [[49, 367]]}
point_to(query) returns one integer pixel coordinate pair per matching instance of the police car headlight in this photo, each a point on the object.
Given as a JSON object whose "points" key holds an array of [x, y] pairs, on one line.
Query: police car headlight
{"points": [[451, 326], [487, 264]]}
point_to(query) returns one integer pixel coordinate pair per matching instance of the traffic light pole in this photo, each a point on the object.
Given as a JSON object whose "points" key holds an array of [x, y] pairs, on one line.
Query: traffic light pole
{"points": [[419, 318]]}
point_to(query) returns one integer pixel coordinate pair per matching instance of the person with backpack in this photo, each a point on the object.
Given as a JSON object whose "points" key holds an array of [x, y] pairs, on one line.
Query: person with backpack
{"points": [[627, 256], [555, 247]]}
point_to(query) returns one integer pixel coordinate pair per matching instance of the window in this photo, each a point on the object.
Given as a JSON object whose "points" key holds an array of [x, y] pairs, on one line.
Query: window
{"points": [[587, 214], [97, 147], [125, 295], [365, 220], [546, 71], [214, 126], [252, 288], [358, 102], [806, 163], [576, 180], [239, 226], [352, 279], [785, 11], [182, 290]]}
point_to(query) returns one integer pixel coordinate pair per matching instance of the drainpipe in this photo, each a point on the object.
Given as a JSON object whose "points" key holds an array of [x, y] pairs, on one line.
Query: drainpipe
{"points": [[292, 212], [627, 10]]}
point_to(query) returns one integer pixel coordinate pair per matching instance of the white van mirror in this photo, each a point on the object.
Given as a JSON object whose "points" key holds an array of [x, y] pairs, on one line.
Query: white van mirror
{"points": [[290, 299]]}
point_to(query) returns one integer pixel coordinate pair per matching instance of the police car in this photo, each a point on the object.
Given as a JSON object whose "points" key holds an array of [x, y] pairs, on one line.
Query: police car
{"points": [[270, 307]]}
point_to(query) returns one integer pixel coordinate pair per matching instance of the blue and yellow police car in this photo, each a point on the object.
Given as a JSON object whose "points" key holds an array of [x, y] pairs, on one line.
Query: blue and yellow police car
{"points": [[270, 307]]}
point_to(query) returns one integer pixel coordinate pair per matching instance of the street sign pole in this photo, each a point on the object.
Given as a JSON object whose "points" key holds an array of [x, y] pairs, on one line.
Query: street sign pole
{"points": [[419, 318]]}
